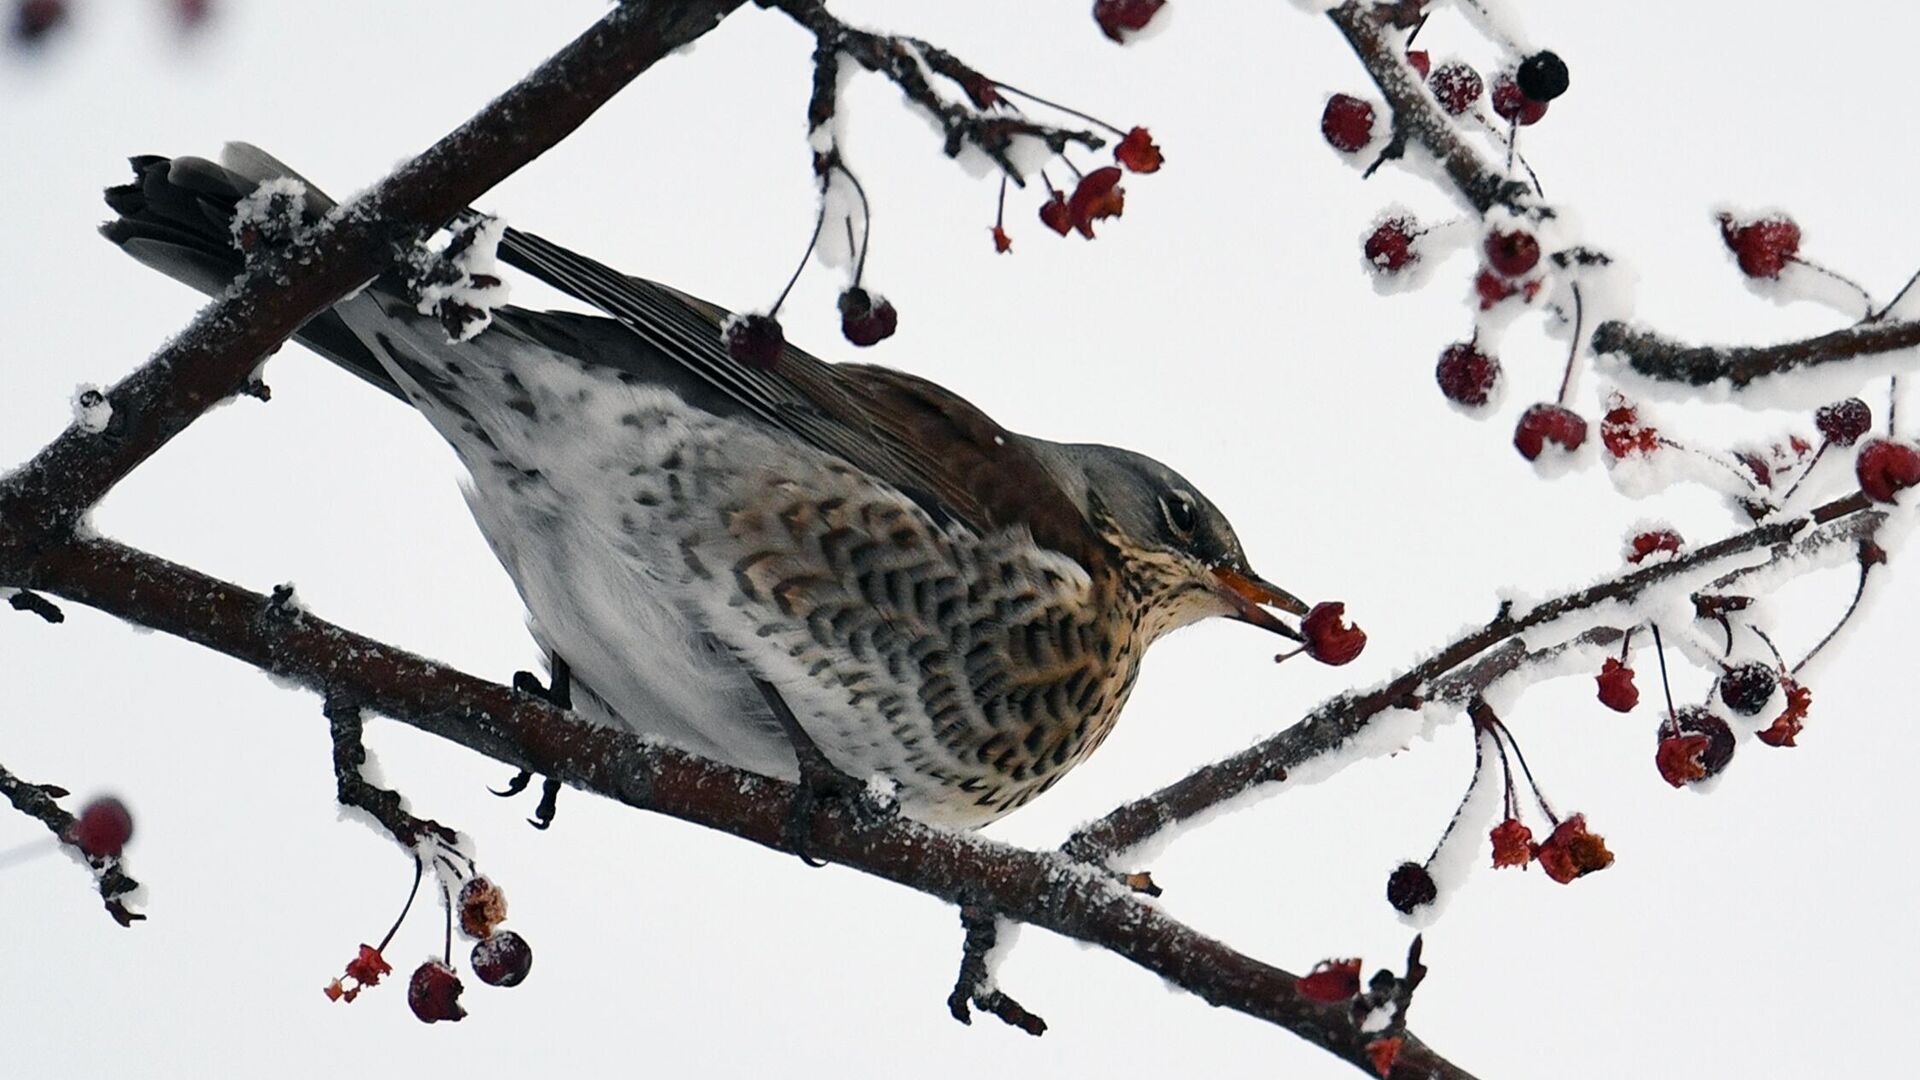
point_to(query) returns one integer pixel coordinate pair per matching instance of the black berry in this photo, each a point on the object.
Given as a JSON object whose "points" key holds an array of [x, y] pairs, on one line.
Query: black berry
{"points": [[1746, 688], [1542, 76]]}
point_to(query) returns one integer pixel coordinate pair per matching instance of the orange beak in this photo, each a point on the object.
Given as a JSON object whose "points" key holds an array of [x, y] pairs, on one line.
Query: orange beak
{"points": [[1251, 597]]}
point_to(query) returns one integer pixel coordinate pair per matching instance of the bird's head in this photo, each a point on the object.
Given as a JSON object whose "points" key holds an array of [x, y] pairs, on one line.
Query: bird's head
{"points": [[1177, 550]]}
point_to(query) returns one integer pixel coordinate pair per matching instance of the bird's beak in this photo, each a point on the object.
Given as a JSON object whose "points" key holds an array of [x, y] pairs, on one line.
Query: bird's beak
{"points": [[1251, 596]]}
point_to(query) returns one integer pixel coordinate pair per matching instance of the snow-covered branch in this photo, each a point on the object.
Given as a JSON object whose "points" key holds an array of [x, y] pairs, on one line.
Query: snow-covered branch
{"points": [[1656, 356]]}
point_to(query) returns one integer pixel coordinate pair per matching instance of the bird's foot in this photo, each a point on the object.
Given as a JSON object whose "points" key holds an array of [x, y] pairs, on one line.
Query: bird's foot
{"points": [[559, 694], [821, 782]]}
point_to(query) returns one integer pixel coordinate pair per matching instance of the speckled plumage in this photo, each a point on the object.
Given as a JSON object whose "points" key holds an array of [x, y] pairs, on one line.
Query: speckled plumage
{"points": [[939, 601]]}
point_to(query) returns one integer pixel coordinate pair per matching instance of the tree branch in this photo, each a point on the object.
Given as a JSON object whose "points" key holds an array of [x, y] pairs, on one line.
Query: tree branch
{"points": [[1657, 357], [1343, 719], [37, 801], [1045, 889], [212, 359]]}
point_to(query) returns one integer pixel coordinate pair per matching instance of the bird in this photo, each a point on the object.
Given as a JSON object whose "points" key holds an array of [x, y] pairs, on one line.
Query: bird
{"points": [[789, 568]]}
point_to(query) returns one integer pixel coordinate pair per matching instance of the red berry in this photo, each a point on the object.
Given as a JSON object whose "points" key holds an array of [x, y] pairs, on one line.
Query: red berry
{"points": [[1762, 248], [1347, 123], [1512, 253], [1542, 76], [1492, 288], [1693, 747], [1570, 851], [1746, 688], [1885, 467], [434, 993], [1410, 887], [1512, 844], [866, 319], [1643, 546], [1330, 982], [103, 828], [1457, 87], [1055, 215], [1511, 104], [1138, 152], [1118, 18], [1617, 691], [1544, 424], [1419, 61], [1623, 434], [33, 20], [1843, 422], [503, 959], [1390, 248], [1466, 374], [1329, 639], [755, 340]]}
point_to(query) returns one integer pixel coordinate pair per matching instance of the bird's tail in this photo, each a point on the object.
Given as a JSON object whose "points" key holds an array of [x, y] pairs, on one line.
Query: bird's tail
{"points": [[177, 217]]}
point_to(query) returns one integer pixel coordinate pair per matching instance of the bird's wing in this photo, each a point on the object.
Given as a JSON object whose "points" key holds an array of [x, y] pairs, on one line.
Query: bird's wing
{"points": [[937, 448]]}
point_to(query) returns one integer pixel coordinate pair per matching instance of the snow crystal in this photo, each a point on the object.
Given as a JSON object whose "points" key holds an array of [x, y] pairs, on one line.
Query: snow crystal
{"points": [[475, 286], [91, 409], [275, 208]]}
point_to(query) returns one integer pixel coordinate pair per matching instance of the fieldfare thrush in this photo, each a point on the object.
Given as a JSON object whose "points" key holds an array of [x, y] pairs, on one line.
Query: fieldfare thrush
{"points": [[718, 551]]}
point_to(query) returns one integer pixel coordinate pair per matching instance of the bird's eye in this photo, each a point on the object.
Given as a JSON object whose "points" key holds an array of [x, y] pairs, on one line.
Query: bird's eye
{"points": [[1181, 516]]}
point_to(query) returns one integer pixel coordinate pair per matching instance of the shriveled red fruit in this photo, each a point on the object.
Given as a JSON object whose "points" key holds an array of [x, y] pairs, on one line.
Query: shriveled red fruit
{"points": [[1653, 542], [1409, 887], [1456, 86], [1510, 104], [1329, 639], [1617, 691], [1331, 981], [482, 906], [102, 828], [1466, 374], [434, 993], [1542, 76], [1694, 746], [1097, 196], [1512, 254], [1419, 61], [1138, 152], [1570, 851], [1885, 467], [33, 20], [755, 340], [502, 960], [866, 319], [1512, 844], [1002, 243], [1787, 726], [1543, 424], [1389, 248], [1119, 19], [1055, 215], [1622, 433], [368, 966], [1843, 422], [1746, 688], [1763, 248], [1347, 123]]}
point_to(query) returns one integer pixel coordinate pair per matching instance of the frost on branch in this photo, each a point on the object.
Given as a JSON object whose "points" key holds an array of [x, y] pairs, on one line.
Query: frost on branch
{"points": [[454, 276]]}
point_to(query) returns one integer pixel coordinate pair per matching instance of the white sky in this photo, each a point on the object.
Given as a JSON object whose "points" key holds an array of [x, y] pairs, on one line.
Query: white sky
{"points": [[1224, 325]]}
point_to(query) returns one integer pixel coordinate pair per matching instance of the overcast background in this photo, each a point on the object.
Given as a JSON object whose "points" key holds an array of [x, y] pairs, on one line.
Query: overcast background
{"points": [[1225, 325]]}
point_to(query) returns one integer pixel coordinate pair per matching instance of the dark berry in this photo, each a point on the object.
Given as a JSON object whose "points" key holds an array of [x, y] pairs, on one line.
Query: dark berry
{"points": [[1746, 688], [755, 340], [1653, 542], [1118, 18], [503, 959], [1055, 215], [1512, 253], [1457, 87], [1542, 76], [866, 319], [1466, 374], [1347, 123], [1390, 248], [434, 993], [1543, 424], [1843, 422], [1617, 691], [1411, 887], [33, 20], [192, 12], [103, 828], [1695, 720], [1492, 288], [1420, 61], [1762, 248], [1885, 467], [1329, 639], [1510, 104]]}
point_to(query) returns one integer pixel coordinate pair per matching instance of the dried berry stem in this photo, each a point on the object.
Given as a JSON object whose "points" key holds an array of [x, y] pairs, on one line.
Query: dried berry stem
{"points": [[1660, 650], [1859, 591], [1573, 350]]}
